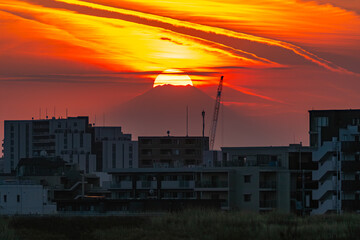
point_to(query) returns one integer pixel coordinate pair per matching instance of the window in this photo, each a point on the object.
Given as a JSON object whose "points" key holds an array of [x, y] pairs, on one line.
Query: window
{"points": [[247, 178], [146, 141], [322, 121], [5, 198], [165, 141], [247, 197], [18, 198]]}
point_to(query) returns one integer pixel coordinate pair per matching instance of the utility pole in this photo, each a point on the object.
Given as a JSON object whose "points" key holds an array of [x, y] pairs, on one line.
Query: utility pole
{"points": [[203, 128]]}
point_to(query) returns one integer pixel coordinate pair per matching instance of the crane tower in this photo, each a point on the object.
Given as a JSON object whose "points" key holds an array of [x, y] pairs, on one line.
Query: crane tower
{"points": [[216, 114]]}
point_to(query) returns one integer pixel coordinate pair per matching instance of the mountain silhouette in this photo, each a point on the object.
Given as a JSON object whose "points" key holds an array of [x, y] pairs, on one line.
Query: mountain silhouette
{"points": [[163, 109]]}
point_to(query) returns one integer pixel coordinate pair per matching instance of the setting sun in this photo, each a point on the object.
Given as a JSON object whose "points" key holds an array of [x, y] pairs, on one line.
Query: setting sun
{"points": [[173, 77]]}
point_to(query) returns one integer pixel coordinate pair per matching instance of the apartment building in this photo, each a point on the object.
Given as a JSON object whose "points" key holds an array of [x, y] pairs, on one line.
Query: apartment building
{"points": [[68, 138], [257, 188], [73, 139], [172, 151], [336, 136], [176, 184], [282, 176], [114, 149]]}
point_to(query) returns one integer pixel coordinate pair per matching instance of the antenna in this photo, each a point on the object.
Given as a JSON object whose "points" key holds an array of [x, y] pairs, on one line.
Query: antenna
{"points": [[187, 121], [203, 117], [46, 113]]}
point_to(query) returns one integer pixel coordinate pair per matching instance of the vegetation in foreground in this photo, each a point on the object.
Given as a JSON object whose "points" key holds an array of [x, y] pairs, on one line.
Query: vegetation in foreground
{"points": [[189, 224]]}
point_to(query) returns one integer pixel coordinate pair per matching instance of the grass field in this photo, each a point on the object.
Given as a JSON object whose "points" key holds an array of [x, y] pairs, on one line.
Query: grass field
{"points": [[189, 224]]}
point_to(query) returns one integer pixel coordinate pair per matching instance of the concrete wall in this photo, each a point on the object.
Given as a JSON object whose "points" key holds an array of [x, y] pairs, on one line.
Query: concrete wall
{"points": [[24, 199]]}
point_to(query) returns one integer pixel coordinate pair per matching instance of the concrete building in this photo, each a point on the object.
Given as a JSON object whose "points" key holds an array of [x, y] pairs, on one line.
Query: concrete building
{"points": [[171, 151], [24, 197], [68, 138], [336, 136], [281, 176], [258, 179], [73, 139], [115, 149], [174, 184], [258, 189]]}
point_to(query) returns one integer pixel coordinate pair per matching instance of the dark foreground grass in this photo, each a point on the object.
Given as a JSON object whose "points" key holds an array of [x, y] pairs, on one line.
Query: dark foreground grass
{"points": [[189, 224]]}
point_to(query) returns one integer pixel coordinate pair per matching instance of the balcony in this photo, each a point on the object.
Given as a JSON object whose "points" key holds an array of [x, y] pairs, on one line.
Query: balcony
{"points": [[350, 166], [350, 185], [122, 185], [268, 204], [268, 185], [177, 184], [212, 185], [350, 147], [146, 184], [350, 205]]}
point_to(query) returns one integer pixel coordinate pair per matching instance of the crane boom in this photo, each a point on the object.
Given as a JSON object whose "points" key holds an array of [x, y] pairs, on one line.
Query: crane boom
{"points": [[216, 114]]}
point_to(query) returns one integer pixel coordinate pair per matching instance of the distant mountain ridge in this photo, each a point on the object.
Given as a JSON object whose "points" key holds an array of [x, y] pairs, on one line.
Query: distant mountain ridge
{"points": [[163, 109]]}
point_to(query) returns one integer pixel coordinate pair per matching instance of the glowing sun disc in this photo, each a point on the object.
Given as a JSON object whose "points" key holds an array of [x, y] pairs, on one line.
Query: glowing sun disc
{"points": [[173, 77]]}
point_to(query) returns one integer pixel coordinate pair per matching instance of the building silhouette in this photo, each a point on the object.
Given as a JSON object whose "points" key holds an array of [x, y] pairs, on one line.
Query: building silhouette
{"points": [[171, 172], [73, 139]]}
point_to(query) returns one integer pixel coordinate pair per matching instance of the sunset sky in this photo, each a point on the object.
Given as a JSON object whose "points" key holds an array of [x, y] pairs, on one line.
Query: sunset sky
{"points": [[279, 58]]}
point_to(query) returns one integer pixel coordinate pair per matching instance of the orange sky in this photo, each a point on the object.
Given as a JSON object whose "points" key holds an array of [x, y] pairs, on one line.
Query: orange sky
{"points": [[287, 56]]}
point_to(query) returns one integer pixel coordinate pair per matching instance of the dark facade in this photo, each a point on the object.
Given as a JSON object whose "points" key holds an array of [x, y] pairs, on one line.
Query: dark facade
{"points": [[325, 124], [301, 167], [335, 135], [171, 151]]}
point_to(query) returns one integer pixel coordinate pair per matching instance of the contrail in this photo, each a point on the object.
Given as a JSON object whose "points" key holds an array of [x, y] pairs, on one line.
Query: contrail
{"points": [[220, 31]]}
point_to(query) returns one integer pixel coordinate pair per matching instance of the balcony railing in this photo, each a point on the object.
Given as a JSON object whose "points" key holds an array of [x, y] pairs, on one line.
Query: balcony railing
{"points": [[146, 184], [351, 166], [122, 185], [350, 146], [212, 184], [177, 184], [268, 184], [268, 204], [350, 185]]}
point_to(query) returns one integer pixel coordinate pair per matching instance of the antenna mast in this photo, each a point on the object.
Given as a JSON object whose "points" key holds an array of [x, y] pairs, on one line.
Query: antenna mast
{"points": [[216, 114]]}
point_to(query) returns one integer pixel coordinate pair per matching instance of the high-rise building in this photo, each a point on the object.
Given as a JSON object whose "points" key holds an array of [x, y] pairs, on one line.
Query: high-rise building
{"points": [[68, 138], [336, 136], [73, 139], [114, 149]]}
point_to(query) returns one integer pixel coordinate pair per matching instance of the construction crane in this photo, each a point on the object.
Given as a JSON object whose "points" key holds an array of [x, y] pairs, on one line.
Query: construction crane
{"points": [[216, 114]]}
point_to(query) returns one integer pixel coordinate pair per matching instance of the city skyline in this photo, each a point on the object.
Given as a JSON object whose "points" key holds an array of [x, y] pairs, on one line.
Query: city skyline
{"points": [[279, 59]]}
